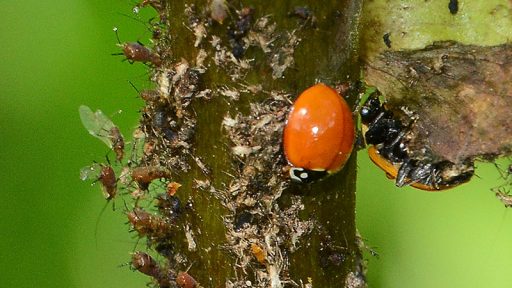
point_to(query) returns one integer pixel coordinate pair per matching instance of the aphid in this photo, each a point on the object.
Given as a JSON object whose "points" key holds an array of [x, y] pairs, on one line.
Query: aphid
{"points": [[145, 264], [453, 6], [505, 174], [305, 14], [101, 127], [168, 205], [504, 197], [105, 175], [118, 142], [388, 150], [243, 25], [147, 224], [145, 175], [331, 256], [184, 280], [148, 148], [319, 134], [336, 258], [160, 118], [302, 12], [137, 52], [243, 220], [502, 191], [149, 96], [157, 5], [387, 40], [137, 143], [236, 33], [218, 10]]}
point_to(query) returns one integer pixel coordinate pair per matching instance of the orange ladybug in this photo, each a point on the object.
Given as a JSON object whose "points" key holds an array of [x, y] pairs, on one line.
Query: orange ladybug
{"points": [[319, 134]]}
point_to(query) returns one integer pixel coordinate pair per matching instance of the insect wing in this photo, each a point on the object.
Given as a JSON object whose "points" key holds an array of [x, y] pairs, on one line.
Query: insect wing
{"points": [[91, 172], [97, 124]]}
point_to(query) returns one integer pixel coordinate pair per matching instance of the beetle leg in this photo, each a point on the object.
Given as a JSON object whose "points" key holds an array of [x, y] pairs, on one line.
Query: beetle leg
{"points": [[403, 173]]}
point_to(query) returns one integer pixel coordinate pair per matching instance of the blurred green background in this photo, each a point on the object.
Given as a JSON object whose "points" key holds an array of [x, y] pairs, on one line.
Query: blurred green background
{"points": [[57, 57]]}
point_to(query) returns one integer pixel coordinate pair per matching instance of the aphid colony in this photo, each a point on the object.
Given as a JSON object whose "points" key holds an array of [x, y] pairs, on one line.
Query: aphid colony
{"points": [[160, 150], [158, 230], [318, 139]]}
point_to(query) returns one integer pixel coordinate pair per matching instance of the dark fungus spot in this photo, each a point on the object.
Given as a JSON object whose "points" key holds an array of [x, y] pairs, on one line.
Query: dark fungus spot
{"points": [[387, 40], [241, 219], [301, 12], [238, 50], [169, 206], [336, 258], [165, 249], [329, 258], [453, 5], [160, 118]]}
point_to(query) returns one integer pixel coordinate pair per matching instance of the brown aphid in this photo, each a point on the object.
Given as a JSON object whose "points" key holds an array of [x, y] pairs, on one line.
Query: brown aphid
{"points": [[150, 96], [108, 181], [184, 280], [117, 142], [148, 148], [168, 205], [137, 52], [157, 5], [218, 10], [147, 224], [103, 174], [145, 175], [303, 13], [145, 264]]}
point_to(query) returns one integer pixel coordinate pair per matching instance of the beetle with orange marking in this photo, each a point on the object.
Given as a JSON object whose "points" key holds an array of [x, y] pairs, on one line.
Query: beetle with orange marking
{"points": [[385, 136], [319, 134]]}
